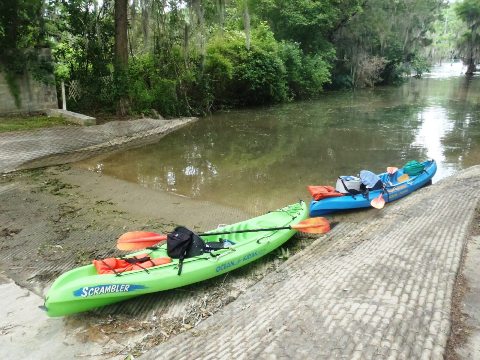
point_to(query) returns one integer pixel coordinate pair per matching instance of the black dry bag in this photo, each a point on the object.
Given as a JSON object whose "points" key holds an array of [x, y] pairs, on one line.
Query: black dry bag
{"points": [[183, 243]]}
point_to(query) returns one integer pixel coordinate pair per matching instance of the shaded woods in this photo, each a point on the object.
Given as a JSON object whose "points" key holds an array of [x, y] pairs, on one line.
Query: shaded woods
{"points": [[190, 57]]}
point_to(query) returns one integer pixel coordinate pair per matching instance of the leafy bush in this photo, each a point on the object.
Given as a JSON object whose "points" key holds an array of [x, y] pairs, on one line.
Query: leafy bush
{"points": [[148, 90], [246, 77], [186, 81], [306, 74], [420, 65]]}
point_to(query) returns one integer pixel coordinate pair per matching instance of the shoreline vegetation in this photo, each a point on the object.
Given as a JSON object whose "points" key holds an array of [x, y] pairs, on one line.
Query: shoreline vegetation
{"points": [[193, 57], [184, 58]]}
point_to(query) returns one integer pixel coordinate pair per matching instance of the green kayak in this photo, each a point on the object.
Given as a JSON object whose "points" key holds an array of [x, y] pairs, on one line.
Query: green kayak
{"points": [[82, 289]]}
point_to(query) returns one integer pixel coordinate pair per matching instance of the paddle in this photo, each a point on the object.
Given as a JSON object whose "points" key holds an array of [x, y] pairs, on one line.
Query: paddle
{"points": [[392, 170], [378, 202], [141, 239]]}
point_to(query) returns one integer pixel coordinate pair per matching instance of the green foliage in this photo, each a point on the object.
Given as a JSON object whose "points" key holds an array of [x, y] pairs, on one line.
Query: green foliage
{"points": [[306, 74], [193, 59], [251, 77], [148, 90], [22, 27], [395, 31], [309, 23], [468, 11], [448, 28], [420, 65]]}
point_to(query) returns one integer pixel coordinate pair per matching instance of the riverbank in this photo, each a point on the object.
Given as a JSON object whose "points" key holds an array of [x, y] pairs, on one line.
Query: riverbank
{"points": [[376, 273]]}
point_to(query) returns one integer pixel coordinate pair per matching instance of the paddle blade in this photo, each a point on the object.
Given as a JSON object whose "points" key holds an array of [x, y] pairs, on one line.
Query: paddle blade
{"points": [[135, 240], [378, 202], [316, 225], [392, 170]]}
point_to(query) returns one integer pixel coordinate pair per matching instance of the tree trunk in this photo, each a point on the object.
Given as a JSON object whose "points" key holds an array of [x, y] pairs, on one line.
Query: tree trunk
{"points": [[221, 14], [145, 20], [186, 42], [121, 42], [246, 22], [11, 28], [133, 11], [121, 55], [471, 58], [470, 68]]}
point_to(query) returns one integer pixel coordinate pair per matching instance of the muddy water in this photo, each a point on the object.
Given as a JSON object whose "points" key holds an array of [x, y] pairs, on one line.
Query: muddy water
{"points": [[259, 159]]}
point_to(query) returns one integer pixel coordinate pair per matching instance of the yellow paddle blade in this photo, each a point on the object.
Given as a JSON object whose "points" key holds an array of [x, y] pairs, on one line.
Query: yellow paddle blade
{"points": [[135, 240], [403, 178], [316, 225], [378, 202]]}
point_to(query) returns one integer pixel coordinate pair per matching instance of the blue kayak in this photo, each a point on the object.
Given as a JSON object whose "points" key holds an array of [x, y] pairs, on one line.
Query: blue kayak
{"points": [[396, 186]]}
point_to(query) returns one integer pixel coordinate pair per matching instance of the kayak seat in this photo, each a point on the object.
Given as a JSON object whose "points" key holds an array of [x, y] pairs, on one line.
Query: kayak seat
{"points": [[403, 178], [394, 179], [121, 265]]}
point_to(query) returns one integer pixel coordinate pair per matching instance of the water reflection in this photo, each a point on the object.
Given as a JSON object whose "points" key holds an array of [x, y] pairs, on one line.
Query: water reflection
{"points": [[435, 125], [259, 159]]}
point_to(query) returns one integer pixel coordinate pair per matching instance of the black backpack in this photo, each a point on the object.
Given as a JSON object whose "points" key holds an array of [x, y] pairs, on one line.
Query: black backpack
{"points": [[183, 243]]}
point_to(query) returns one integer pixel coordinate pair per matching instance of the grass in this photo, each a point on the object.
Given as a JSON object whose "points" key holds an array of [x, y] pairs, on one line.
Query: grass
{"points": [[19, 123]]}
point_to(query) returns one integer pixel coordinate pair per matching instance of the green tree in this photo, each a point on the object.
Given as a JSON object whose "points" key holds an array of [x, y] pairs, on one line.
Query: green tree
{"points": [[383, 41], [469, 43], [22, 29], [448, 30], [308, 22]]}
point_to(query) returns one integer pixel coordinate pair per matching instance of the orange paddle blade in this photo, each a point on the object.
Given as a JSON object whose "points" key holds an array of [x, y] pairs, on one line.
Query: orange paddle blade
{"points": [[378, 202], [134, 240], [392, 170], [316, 225]]}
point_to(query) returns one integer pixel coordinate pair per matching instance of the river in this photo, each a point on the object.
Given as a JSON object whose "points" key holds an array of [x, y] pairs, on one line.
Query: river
{"points": [[263, 158]]}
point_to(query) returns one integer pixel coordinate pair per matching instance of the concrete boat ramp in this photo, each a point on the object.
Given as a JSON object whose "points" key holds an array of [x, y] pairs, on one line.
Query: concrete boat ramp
{"points": [[382, 290], [381, 285], [60, 145]]}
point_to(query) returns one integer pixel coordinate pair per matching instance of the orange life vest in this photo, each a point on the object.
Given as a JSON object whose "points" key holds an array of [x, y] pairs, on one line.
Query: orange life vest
{"points": [[323, 191], [137, 262]]}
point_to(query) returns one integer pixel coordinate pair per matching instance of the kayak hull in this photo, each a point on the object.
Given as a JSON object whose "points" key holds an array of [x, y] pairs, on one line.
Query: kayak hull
{"points": [[82, 289], [393, 191]]}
